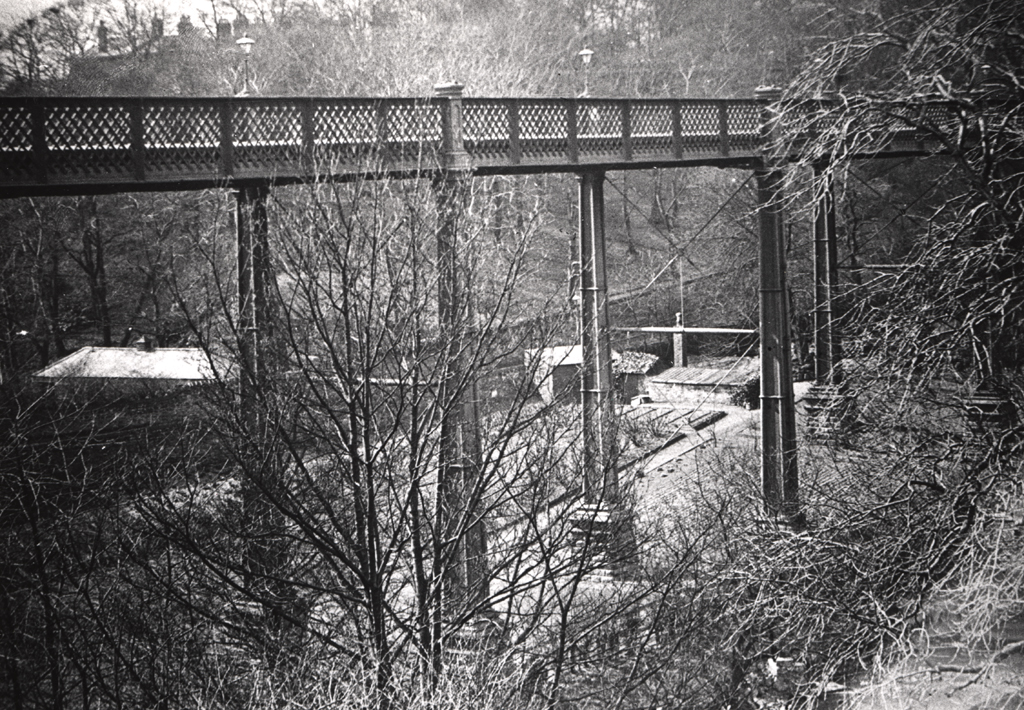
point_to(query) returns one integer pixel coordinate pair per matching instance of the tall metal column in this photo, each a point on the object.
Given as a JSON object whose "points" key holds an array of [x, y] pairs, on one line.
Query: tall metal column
{"points": [[460, 460], [265, 554], [597, 386], [459, 505], [253, 281], [827, 352], [778, 416]]}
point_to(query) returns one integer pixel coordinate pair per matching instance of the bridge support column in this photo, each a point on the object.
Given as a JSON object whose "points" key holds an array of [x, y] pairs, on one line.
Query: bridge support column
{"points": [[779, 480], [265, 552], [602, 528], [828, 406], [459, 518], [459, 487], [253, 277], [596, 388]]}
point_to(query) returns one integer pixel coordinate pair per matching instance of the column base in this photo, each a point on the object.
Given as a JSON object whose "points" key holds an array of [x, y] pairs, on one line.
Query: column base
{"points": [[606, 536], [831, 412], [990, 417]]}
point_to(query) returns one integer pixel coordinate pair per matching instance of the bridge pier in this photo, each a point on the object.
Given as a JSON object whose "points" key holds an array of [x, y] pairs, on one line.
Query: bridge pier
{"points": [[458, 485], [602, 527], [779, 479], [828, 405], [597, 395], [465, 571], [265, 553], [254, 274]]}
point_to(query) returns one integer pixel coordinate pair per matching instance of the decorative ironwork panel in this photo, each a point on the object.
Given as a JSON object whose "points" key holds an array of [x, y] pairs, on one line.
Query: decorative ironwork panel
{"points": [[16, 153], [182, 137], [744, 121], [599, 127], [345, 131], [544, 128], [88, 140], [942, 119], [413, 130], [699, 129], [266, 136], [651, 128], [486, 130], [360, 131]]}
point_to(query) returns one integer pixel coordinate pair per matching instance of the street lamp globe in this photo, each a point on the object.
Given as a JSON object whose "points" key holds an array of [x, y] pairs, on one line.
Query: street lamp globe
{"points": [[585, 55], [245, 43]]}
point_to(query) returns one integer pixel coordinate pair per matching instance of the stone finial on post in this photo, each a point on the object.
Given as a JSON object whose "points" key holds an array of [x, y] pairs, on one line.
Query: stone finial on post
{"points": [[453, 154]]}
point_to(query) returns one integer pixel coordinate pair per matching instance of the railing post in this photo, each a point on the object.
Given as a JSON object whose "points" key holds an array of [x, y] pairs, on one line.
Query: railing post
{"points": [[572, 131], [136, 113], [40, 156], [453, 149], [723, 128], [627, 131], [514, 147], [308, 136], [227, 160], [779, 479], [677, 130]]}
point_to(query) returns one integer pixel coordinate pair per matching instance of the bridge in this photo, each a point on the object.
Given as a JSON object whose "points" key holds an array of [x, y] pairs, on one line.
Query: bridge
{"points": [[65, 146]]}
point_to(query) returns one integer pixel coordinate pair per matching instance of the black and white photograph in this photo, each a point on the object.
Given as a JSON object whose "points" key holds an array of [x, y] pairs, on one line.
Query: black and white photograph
{"points": [[511, 354]]}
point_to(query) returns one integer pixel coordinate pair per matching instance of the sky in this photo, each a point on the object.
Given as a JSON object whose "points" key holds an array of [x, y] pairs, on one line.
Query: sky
{"points": [[11, 11]]}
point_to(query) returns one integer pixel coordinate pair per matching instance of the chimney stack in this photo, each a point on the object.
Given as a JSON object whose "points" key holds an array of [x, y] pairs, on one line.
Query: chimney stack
{"points": [[223, 32], [102, 38]]}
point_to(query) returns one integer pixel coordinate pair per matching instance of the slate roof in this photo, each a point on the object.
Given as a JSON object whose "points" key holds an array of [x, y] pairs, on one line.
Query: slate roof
{"points": [[634, 363], [628, 361], [177, 364], [742, 371]]}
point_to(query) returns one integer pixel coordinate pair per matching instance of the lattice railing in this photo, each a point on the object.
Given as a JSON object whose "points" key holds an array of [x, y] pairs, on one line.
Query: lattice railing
{"points": [[863, 125], [49, 142], [557, 131]]}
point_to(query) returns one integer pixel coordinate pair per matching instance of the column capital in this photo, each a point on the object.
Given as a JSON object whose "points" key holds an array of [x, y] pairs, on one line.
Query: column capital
{"points": [[449, 90]]}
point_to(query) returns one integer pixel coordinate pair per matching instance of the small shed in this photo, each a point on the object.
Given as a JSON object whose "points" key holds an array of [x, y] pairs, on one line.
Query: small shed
{"points": [[632, 370], [736, 381], [556, 371]]}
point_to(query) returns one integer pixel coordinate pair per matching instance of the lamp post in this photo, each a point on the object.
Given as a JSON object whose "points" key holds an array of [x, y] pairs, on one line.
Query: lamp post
{"points": [[245, 43], [585, 56]]}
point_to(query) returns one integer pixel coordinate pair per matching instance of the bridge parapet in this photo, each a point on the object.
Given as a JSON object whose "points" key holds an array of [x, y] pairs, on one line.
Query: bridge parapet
{"points": [[79, 144], [52, 144]]}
